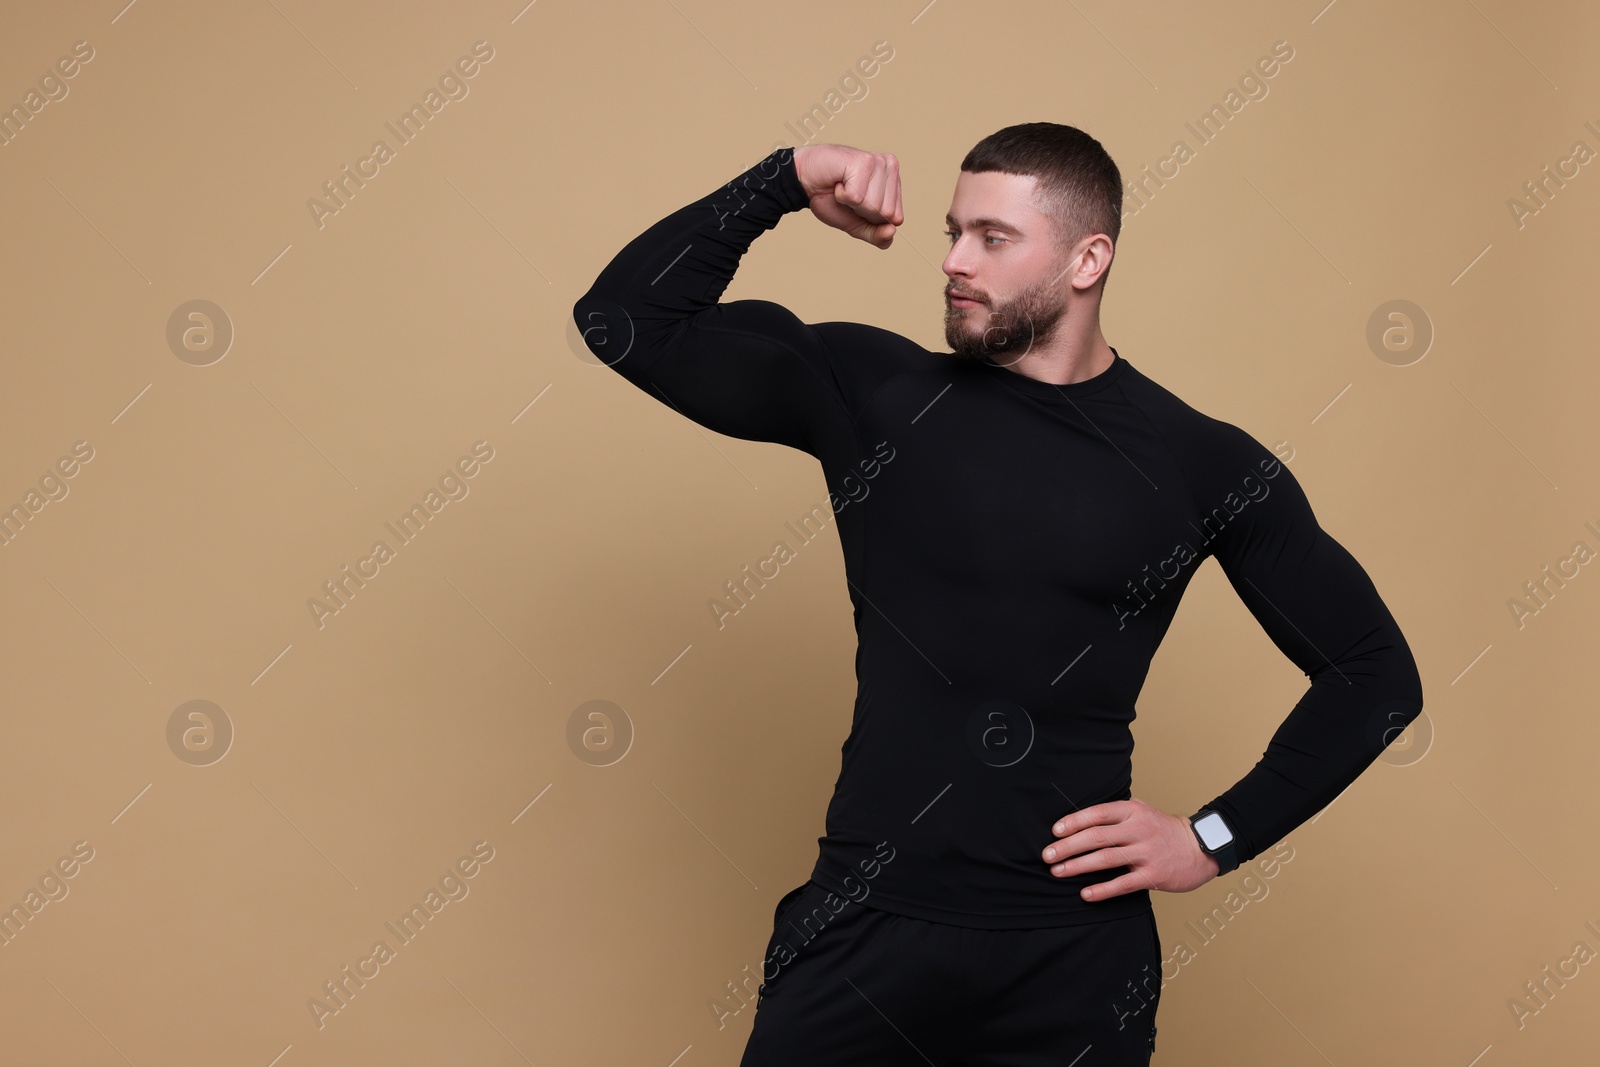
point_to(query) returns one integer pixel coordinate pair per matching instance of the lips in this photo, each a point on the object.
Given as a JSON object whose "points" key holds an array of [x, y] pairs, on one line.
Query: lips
{"points": [[963, 301]]}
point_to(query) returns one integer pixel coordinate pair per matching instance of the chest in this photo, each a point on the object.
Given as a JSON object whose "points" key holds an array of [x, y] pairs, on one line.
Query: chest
{"points": [[996, 492]]}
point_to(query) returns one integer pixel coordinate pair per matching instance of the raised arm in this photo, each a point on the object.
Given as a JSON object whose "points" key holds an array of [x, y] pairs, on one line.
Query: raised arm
{"points": [[1319, 606], [748, 368]]}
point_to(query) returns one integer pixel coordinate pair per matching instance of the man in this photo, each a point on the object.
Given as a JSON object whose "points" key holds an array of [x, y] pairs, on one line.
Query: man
{"points": [[1019, 517]]}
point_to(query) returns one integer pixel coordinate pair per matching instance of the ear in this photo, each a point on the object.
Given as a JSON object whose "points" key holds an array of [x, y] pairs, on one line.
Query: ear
{"points": [[1093, 263]]}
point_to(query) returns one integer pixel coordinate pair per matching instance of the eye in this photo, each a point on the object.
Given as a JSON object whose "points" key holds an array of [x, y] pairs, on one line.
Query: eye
{"points": [[952, 234]]}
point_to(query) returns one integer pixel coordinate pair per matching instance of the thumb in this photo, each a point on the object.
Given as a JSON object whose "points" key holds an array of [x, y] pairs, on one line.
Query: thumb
{"points": [[827, 207]]}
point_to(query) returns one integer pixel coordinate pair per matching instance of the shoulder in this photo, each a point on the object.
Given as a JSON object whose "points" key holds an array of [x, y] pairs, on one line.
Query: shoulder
{"points": [[863, 358], [879, 342], [1223, 462], [1201, 442], [852, 358]]}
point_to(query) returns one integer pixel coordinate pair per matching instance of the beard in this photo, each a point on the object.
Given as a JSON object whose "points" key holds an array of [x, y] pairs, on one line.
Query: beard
{"points": [[1007, 331]]}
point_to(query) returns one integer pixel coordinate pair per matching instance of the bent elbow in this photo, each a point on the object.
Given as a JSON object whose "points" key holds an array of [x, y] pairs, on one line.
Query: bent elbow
{"points": [[1400, 707], [602, 328]]}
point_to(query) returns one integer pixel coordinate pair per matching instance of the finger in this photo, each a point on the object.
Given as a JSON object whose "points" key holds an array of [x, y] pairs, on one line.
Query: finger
{"points": [[1109, 812], [1135, 859], [877, 190], [866, 231], [1118, 886], [851, 189], [881, 230], [841, 217], [854, 192], [1111, 836], [1093, 835], [1098, 860], [892, 207]]}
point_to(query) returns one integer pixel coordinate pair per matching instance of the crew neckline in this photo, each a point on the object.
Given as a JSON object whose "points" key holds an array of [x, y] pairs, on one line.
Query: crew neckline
{"points": [[1050, 390]]}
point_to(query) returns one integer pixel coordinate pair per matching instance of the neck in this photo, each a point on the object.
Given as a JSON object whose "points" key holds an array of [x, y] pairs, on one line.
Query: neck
{"points": [[1071, 354]]}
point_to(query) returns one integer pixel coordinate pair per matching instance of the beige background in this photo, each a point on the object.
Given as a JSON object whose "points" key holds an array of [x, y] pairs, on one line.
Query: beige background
{"points": [[432, 312]]}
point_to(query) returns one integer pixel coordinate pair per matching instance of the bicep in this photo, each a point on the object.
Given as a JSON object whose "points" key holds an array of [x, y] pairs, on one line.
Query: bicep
{"points": [[749, 369], [1311, 596]]}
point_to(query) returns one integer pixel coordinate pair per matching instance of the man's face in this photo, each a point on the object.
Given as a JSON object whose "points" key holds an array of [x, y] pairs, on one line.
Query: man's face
{"points": [[1004, 259]]}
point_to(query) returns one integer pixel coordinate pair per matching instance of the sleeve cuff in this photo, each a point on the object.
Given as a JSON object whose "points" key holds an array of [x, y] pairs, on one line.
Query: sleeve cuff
{"points": [[790, 191]]}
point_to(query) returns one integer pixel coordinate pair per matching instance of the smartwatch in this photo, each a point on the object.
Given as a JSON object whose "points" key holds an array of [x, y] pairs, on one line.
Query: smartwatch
{"points": [[1216, 838]]}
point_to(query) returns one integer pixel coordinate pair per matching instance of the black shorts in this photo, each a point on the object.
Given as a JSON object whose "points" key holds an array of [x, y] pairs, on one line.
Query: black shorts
{"points": [[846, 983]]}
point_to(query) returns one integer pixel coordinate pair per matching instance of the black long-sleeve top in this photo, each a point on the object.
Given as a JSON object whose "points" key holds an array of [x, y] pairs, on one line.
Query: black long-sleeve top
{"points": [[1015, 552]]}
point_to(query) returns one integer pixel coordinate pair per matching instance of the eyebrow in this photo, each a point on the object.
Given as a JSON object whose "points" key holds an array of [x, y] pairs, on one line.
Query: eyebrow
{"points": [[984, 224]]}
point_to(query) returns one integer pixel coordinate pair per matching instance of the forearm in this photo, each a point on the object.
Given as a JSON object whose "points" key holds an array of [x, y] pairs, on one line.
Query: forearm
{"points": [[642, 302], [1352, 709]]}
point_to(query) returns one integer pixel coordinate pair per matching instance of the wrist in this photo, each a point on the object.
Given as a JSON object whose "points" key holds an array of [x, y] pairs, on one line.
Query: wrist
{"points": [[791, 192], [801, 155], [1215, 838]]}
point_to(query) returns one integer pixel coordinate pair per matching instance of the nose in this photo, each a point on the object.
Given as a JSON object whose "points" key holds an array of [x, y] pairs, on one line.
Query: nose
{"points": [[957, 261], [955, 265]]}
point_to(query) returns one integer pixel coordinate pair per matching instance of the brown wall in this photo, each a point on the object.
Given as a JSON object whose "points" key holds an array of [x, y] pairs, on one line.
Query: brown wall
{"points": [[371, 351]]}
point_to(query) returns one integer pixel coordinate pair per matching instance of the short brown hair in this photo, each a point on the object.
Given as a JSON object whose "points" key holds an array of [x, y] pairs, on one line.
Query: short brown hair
{"points": [[1079, 186]]}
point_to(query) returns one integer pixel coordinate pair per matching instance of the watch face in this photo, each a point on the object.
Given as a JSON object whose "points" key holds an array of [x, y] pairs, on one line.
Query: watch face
{"points": [[1213, 831]]}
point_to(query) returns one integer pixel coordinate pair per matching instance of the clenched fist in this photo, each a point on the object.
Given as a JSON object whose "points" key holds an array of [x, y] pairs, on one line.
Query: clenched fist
{"points": [[851, 190]]}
